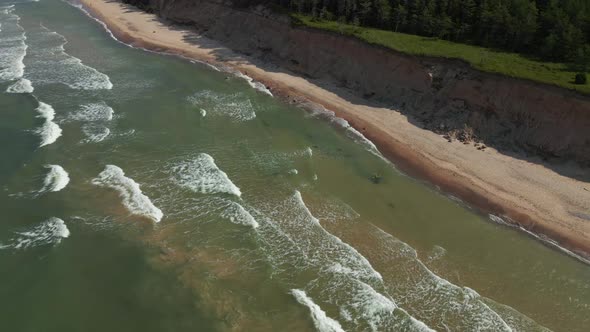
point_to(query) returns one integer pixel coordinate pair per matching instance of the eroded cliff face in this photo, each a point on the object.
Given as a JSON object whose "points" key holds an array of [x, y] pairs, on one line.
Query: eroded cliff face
{"points": [[445, 96]]}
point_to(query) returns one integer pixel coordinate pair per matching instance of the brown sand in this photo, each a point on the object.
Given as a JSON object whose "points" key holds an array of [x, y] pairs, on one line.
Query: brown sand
{"points": [[528, 194]]}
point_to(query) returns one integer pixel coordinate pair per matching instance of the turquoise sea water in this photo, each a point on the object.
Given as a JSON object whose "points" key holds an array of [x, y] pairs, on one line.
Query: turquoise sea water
{"points": [[143, 192]]}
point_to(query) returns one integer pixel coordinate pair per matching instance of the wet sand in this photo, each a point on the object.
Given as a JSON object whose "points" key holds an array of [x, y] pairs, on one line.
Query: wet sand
{"points": [[524, 193]]}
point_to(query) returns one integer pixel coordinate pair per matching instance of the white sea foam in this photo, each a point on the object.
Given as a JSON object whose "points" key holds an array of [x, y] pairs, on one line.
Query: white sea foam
{"points": [[497, 219], [372, 304], [235, 106], [93, 112], [322, 322], [463, 306], [363, 263], [544, 239], [95, 133], [51, 64], [437, 253], [79, 6], [49, 131], [49, 232], [296, 241], [56, 179], [23, 85], [256, 85], [134, 200], [321, 112], [12, 47], [281, 161], [201, 174], [236, 213]]}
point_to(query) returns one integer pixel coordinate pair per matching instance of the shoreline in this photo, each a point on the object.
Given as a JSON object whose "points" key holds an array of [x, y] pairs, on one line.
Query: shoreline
{"points": [[496, 184]]}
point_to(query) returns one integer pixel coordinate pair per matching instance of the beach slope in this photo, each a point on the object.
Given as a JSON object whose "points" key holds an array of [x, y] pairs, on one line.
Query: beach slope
{"points": [[527, 194]]}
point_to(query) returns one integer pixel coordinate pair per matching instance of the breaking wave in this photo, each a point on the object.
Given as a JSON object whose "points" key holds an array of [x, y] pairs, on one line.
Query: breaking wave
{"points": [[544, 239], [321, 112], [56, 180], [201, 174], [256, 85], [460, 306], [296, 243], [23, 85], [49, 131], [236, 213], [50, 232], [51, 64], [133, 199], [93, 112], [12, 46], [95, 133], [322, 322]]}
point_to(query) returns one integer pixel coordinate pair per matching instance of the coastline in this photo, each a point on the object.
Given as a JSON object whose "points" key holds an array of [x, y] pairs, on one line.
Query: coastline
{"points": [[526, 194]]}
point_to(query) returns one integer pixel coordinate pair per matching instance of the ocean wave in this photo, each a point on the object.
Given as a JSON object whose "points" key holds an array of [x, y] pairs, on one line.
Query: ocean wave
{"points": [[322, 322], [319, 111], [49, 131], [201, 174], [256, 85], [80, 7], [23, 85], [281, 161], [235, 106], [362, 264], [544, 239], [296, 242], [12, 47], [236, 213], [133, 198], [93, 112], [94, 133], [449, 302], [56, 179], [51, 64], [49, 232]]}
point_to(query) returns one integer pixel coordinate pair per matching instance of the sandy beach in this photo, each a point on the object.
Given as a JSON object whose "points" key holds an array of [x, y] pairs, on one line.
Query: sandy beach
{"points": [[527, 194]]}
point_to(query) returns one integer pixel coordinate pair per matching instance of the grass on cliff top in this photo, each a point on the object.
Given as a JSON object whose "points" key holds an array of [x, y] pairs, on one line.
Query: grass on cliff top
{"points": [[484, 59]]}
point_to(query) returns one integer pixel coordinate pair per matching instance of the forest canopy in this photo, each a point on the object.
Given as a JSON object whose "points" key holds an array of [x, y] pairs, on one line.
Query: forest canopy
{"points": [[552, 30]]}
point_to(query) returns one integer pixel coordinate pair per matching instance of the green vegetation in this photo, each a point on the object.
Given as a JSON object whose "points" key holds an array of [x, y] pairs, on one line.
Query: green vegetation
{"points": [[541, 40], [485, 59]]}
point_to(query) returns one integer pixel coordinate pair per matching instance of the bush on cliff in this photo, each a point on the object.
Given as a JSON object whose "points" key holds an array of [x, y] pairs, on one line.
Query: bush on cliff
{"points": [[581, 78]]}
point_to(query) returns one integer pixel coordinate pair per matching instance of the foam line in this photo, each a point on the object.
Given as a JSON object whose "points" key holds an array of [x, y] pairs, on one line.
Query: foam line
{"points": [[133, 198]]}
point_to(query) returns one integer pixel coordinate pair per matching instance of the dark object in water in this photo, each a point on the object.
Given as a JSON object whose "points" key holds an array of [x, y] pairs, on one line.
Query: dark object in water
{"points": [[376, 178]]}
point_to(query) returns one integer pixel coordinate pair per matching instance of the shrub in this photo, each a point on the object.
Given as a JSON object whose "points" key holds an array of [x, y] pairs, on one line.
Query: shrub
{"points": [[581, 78]]}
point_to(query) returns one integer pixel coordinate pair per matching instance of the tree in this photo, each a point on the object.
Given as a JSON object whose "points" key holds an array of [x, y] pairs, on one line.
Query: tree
{"points": [[555, 30], [399, 16]]}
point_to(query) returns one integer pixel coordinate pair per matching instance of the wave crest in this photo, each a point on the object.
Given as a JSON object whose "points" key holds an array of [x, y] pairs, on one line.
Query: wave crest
{"points": [[201, 174], [133, 198]]}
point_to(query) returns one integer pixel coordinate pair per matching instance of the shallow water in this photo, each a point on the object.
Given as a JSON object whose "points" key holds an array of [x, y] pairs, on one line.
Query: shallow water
{"points": [[142, 192]]}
